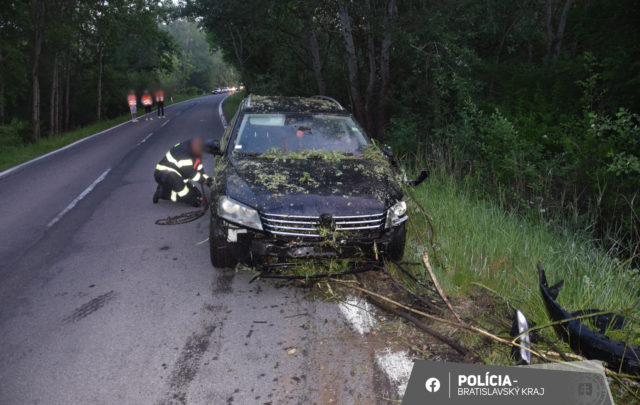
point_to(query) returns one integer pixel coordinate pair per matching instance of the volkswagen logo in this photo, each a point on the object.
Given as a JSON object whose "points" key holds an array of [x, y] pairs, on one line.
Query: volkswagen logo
{"points": [[326, 222]]}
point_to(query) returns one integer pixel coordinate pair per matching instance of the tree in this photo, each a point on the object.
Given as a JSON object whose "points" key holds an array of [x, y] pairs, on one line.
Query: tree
{"points": [[37, 12]]}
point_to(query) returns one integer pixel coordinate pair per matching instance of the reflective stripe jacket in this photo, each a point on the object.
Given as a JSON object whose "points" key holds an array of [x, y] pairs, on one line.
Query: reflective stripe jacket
{"points": [[159, 96], [146, 99], [132, 100], [180, 160]]}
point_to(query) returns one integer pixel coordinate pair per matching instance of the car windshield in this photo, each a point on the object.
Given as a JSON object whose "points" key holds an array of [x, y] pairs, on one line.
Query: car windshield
{"points": [[298, 132]]}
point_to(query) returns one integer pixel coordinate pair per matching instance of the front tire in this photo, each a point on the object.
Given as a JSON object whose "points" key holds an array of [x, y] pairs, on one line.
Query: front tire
{"points": [[219, 249], [395, 250]]}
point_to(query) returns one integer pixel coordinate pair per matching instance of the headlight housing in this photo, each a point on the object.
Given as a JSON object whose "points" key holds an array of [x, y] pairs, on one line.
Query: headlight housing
{"points": [[396, 214], [238, 213]]}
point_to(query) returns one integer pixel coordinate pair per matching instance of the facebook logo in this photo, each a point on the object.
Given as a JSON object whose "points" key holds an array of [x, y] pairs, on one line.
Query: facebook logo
{"points": [[432, 384]]}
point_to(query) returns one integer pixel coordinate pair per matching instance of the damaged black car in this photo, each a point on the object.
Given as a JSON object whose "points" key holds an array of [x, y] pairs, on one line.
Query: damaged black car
{"points": [[297, 178]]}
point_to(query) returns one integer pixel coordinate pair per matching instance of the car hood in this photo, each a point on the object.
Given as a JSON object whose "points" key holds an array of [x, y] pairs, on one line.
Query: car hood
{"points": [[313, 186]]}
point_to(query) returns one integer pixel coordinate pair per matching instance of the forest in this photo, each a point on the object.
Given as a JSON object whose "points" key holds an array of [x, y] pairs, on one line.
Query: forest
{"points": [[533, 102], [69, 63]]}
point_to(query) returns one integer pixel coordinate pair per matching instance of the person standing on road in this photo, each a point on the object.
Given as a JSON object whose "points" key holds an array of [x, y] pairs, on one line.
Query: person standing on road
{"points": [[133, 102], [160, 102], [147, 102], [180, 166]]}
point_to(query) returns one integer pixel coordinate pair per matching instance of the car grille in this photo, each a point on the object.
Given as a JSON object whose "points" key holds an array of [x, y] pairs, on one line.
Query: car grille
{"points": [[310, 226]]}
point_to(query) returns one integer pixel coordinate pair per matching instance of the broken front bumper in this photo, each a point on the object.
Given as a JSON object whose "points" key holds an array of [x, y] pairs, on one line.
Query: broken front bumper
{"points": [[256, 247]]}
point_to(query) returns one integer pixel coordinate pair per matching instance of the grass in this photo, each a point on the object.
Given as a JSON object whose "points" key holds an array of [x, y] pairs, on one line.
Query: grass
{"points": [[480, 247], [231, 103], [477, 242], [14, 155]]}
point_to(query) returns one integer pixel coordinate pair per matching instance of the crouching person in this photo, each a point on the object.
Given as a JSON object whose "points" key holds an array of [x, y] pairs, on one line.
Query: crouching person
{"points": [[180, 166]]}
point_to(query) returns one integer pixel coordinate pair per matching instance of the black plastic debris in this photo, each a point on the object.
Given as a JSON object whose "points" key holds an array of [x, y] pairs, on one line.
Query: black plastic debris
{"points": [[618, 355]]}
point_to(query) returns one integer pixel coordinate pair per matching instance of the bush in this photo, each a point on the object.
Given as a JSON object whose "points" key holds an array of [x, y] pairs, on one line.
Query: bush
{"points": [[11, 135]]}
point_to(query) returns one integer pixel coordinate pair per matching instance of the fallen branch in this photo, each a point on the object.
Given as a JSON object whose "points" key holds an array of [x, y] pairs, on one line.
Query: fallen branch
{"points": [[425, 259], [452, 343], [411, 276], [431, 305], [538, 353]]}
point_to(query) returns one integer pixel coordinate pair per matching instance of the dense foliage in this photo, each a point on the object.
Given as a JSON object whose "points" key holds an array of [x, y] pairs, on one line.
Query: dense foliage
{"points": [[534, 101], [196, 68], [66, 63]]}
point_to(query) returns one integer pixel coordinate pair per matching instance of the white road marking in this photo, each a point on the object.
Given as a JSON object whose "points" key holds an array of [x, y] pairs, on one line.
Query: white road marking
{"points": [[76, 200], [165, 123], [221, 114], [397, 366], [145, 138], [358, 313], [11, 169], [53, 152]]}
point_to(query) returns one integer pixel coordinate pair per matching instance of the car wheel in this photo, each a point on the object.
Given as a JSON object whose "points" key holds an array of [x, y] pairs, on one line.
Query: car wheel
{"points": [[395, 250], [219, 248]]}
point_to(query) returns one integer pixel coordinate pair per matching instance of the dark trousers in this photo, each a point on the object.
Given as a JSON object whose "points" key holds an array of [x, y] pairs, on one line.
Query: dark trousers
{"points": [[171, 183], [160, 108]]}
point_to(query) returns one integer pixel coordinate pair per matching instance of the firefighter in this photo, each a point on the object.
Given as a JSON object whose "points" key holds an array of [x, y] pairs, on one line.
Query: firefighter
{"points": [[174, 173], [147, 102], [160, 103], [131, 98]]}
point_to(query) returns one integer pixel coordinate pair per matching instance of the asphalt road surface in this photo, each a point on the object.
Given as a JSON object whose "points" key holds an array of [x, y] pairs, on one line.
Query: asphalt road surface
{"points": [[98, 305]]}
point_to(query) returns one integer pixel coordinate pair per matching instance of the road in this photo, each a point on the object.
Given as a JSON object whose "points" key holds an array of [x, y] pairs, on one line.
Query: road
{"points": [[98, 305]]}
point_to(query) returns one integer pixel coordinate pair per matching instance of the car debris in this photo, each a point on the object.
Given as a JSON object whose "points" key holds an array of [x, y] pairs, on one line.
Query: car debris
{"points": [[520, 329], [594, 345]]}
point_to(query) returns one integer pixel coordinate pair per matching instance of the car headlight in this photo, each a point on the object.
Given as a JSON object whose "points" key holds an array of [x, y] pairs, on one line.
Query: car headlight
{"points": [[238, 213], [397, 214]]}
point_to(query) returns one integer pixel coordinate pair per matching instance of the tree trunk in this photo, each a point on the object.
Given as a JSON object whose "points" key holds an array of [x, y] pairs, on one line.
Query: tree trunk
{"points": [[238, 48], [67, 79], [371, 92], [58, 97], [384, 70], [2, 102], [352, 62], [53, 96], [314, 52], [549, 23], [562, 25], [35, 67], [185, 53], [100, 69]]}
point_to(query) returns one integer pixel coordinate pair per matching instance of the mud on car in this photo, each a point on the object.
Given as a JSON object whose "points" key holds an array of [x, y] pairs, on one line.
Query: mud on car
{"points": [[298, 178]]}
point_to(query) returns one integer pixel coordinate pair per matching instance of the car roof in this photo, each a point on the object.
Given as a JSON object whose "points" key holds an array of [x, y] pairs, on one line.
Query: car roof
{"points": [[266, 104]]}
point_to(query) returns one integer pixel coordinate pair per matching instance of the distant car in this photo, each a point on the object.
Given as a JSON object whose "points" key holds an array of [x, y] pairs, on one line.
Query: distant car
{"points": [[217, 90], [225, 89], [297, 178]]}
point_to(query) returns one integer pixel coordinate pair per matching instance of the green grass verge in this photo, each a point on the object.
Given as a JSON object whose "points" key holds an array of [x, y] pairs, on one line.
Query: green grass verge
{"points": [[14, 155], [478, 242], [231, 103]]}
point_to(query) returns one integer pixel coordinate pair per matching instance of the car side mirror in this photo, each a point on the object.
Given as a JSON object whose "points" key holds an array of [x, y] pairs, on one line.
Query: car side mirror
{"points": [[213, 147]]}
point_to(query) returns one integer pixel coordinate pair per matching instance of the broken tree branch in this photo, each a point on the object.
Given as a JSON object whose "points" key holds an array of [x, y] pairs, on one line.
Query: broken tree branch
{"points": [[428, 303], [425, 259], [543, 354], [452, 343]]}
